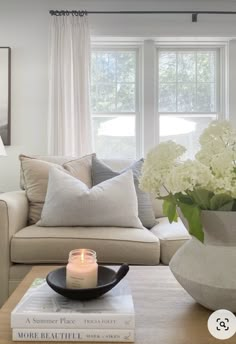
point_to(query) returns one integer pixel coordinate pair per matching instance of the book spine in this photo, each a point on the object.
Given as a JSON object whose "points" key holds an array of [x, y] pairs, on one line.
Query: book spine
{"points": [[70, 321], [72, 335]]}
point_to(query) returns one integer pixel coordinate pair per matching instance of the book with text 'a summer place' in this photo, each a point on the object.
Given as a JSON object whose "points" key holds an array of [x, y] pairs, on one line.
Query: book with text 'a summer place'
{"points": [[41, 307], [70, 335]]}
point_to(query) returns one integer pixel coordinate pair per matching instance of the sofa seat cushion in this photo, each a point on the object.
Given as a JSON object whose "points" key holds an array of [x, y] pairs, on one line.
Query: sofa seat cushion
{"points": [[115, 245], [171, 236]]}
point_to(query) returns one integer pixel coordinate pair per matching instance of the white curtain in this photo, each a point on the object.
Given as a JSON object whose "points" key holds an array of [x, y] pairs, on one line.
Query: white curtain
{"points": [[69, 126]]}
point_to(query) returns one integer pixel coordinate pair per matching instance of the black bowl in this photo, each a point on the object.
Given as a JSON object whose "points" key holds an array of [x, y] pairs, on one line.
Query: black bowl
{"points": [[107, 279]]}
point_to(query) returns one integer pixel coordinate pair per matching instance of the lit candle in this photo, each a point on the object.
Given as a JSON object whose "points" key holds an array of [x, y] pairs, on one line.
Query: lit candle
{"points": [[82, 269]]}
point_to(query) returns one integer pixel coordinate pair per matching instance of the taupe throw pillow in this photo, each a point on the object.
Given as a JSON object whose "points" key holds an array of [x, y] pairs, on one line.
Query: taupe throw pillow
{"points": [[35, 175], [102, 172], [81, 168], [69, 202]]}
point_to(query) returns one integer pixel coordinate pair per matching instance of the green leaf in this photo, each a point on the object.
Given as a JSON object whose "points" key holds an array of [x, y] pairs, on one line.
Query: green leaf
{"points": [[234, 205], [221, 202], [227, 207], [183, 198], [202, 198], [192, 213], [168, 197], [169, 210]]}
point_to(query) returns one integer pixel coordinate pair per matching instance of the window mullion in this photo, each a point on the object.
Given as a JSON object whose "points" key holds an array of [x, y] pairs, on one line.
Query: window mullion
{"points": [[150, 124], [116, 85], [96, 97]]}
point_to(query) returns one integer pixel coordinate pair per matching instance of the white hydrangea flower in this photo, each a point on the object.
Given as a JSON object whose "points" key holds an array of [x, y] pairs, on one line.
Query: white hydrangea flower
{"points": [[222, 164], [218, 151], [187, 176], [213, 169], [158, 164], [218, 131], [225, 184], [218, 138], [208, 150]]}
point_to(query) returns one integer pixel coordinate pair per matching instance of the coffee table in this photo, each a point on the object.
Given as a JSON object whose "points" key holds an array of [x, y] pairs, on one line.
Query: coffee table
{"points": [[165, 313]]}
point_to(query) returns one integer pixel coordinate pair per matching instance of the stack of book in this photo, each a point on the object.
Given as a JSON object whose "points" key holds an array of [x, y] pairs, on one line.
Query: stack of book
{"points": [[44, 315]]}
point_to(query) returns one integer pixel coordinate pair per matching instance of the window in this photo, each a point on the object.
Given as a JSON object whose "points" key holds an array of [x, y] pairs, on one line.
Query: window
{"points": [[114, 89], [188, 94], [146, 91]]}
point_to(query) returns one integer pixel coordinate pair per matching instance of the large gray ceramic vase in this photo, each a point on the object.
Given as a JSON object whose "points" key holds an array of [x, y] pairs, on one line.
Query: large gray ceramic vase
{"points": [[208, 271]]}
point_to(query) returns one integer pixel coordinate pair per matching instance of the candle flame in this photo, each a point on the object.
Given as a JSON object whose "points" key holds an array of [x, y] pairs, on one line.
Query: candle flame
{"points": [[82, 256]]}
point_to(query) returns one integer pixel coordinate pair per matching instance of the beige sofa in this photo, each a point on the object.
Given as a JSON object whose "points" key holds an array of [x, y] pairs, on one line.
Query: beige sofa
{"points": [[23, 246]]}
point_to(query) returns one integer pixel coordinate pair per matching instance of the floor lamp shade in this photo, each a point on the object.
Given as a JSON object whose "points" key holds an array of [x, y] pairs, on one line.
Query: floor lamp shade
{"points": [[2, 148]]}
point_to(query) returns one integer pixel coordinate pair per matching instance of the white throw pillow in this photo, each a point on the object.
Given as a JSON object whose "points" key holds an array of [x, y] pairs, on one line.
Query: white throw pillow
{"points": [[69, 202]]}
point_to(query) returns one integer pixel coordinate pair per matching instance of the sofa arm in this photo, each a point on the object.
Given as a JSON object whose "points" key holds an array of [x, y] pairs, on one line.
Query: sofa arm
{"points": [[13, 213], [13, 217]]}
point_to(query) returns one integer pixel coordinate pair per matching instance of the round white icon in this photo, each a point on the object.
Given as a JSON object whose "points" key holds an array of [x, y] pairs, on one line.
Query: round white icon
{"points": [[222, 324]]}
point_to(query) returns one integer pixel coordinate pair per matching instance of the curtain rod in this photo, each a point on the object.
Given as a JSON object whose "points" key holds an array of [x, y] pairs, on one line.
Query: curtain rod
{"points": [[82, 13]]}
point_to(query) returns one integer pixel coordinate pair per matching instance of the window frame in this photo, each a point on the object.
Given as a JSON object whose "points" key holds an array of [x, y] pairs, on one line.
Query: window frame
{"points": [[119, 47]]}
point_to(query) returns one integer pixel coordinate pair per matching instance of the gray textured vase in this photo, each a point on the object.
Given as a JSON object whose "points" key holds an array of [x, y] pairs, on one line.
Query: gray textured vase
{"points": [[208, 271]]}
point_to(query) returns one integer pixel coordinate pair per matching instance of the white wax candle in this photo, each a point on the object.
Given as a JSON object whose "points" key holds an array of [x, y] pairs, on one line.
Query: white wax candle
{"points": [[82, 269]]}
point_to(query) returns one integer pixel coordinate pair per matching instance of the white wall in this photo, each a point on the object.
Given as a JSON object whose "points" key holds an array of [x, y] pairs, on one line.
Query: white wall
{"points": [[24, 28]]}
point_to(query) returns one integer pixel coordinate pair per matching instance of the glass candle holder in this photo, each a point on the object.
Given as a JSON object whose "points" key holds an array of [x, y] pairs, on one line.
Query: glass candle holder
{"points": [[82, 269]]}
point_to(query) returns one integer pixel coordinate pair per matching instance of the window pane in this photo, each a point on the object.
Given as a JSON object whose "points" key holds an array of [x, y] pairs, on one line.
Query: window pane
{"points": [[126, 97], [186, 67], [194, 76], [106, 98], [167, 97], [186, 98], [206, 66], [184, 130], [114, 136], [206, 97], [167, 67], [113, 81], [105, 67], [93, 90], [126, 65], [93, 69]]}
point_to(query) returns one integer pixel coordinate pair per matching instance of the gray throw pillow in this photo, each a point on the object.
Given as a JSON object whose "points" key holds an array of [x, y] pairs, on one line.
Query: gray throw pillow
{"points": [[102, 172]]}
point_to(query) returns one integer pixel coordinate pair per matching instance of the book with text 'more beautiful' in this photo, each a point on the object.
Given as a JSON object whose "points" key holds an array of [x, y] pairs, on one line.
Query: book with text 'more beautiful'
{"points": [[42, 308], [73, 335]]}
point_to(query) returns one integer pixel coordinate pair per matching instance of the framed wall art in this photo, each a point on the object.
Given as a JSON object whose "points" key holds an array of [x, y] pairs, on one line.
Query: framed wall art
{"points": [[5, 97]]}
